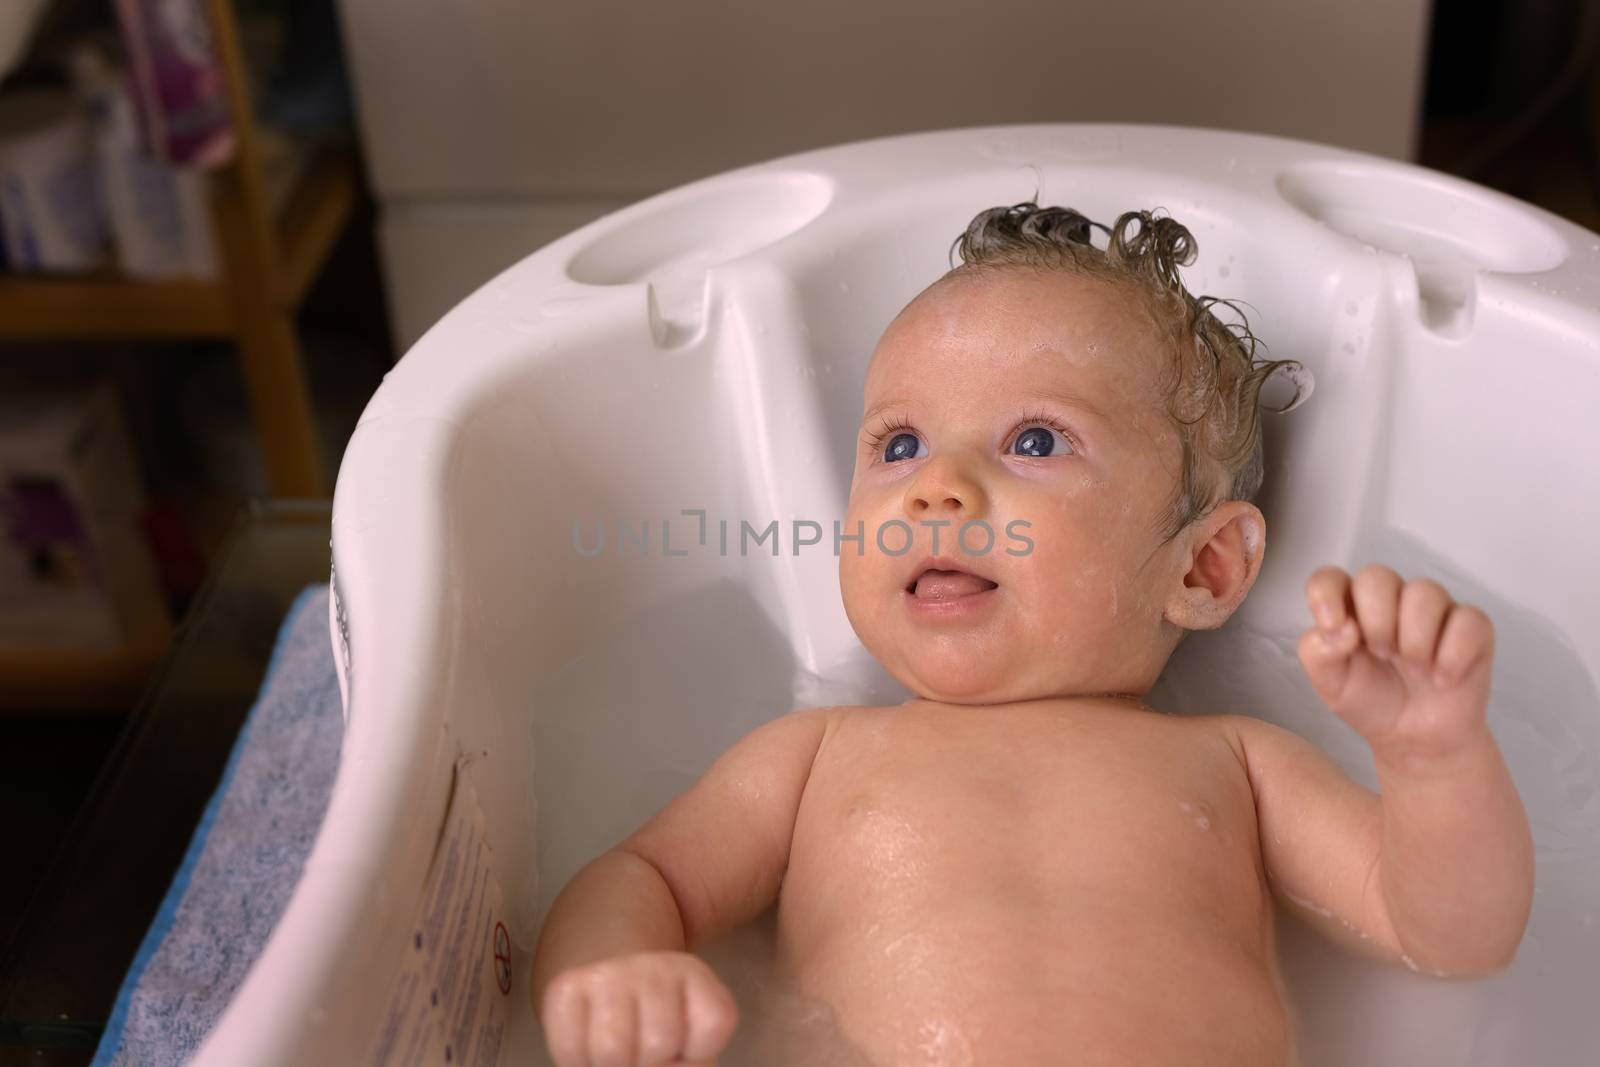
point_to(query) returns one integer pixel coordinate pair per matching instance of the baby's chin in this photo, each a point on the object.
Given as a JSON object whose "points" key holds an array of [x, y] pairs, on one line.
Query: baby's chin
{"points": [[961, 670], [954, 678]]}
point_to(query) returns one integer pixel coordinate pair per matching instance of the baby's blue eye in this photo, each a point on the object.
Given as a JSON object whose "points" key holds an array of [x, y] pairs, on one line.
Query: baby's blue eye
{"points": [[901, 446], [1038, 441]]}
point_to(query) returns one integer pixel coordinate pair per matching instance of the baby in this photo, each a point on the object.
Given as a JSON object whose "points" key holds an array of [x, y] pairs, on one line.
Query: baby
{"points": [[1025, 864]]}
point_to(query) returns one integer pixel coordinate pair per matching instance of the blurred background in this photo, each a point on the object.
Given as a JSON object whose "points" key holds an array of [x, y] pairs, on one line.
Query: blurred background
{"points": [[222, 222]]}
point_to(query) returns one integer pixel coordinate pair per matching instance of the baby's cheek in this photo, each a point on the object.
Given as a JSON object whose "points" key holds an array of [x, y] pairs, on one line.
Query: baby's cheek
{"points": [[1085, 561], [853, 575], [1066, 573]]}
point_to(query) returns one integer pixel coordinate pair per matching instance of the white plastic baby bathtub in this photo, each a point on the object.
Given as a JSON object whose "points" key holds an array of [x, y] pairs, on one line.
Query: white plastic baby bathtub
{"points": [[698, 359]]}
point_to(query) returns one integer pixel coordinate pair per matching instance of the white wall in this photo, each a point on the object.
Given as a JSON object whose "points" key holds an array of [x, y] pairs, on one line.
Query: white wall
{"points": [[558, 110]]}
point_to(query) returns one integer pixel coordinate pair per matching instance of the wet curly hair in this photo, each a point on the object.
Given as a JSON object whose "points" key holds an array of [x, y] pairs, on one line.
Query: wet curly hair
{"points": [[1212, 391]]}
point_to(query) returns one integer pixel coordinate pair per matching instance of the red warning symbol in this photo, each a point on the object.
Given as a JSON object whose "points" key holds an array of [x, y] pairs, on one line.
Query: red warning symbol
{"points": [[502, 957]]}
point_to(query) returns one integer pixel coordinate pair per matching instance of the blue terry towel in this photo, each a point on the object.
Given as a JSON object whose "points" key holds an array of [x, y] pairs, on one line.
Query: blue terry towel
{"points": [[245, 856]]}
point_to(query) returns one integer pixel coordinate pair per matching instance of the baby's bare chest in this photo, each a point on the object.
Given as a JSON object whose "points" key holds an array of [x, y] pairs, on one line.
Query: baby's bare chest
{"points": [[983, 869], [1024, 817]]}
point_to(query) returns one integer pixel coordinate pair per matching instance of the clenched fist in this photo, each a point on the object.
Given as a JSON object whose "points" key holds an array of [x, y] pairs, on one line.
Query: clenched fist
{"points": [[647, 1009], [1405, 665]]}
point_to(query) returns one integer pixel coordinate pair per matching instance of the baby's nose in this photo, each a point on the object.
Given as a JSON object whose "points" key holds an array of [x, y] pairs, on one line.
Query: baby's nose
{"points": [[944, 489], [921, 502]]}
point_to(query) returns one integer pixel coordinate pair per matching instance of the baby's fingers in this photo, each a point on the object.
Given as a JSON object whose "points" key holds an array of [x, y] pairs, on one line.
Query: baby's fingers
{"points": [[566, 1022], [1423, 606], [711, 1015], [1468, 640], [1326, 656], [1376, 593], [1327, 595], [613, 1028], [662, 1022]]}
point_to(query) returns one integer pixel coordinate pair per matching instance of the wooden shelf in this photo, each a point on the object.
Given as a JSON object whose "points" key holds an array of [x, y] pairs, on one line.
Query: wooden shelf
{"points": [[312, 221], [109, 305], [269, 257], [52, 678]]}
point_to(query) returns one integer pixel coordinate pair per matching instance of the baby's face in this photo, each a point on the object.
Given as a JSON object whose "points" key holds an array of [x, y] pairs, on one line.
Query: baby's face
{"points": [[1011, 397]]}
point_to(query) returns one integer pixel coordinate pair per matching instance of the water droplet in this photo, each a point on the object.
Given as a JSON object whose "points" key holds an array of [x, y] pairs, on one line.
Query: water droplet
{"points": [[1351, 308], [1222, 272]]}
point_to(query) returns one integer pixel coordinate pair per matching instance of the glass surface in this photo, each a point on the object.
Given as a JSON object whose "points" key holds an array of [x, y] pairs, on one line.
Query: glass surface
{"points": [[60, 973]]}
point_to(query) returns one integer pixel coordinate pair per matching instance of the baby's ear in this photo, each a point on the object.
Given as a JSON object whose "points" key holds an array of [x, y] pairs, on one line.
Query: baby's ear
{"points": [[1227, 545]]}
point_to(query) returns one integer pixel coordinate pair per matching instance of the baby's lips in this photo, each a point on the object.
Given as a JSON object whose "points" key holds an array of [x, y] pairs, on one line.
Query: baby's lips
{"points": [[947, 585], [945, 565]]}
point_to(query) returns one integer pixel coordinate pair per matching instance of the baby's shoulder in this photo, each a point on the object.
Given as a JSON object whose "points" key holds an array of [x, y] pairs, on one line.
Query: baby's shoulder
{"points": [[833, 721], [1226, 732], [838, 713]]}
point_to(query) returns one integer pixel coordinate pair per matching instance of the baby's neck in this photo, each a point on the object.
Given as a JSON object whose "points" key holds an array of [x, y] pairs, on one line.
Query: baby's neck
{"points": [[1133, 701]]}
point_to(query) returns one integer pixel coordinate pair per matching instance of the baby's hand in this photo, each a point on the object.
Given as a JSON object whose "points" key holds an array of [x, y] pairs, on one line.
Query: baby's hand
{"points": [[641, 1010], [1402, 663]]}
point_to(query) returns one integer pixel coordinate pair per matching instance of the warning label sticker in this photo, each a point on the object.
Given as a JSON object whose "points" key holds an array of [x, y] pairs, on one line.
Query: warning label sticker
{"points": [[451, 997]]}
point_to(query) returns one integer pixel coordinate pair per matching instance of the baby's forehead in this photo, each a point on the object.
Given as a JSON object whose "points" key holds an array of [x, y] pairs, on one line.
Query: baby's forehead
{"points": [[1030, 328]]}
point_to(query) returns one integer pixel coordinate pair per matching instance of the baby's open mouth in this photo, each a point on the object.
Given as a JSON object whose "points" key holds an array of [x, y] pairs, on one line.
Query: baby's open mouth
{"points": [[947, 585]]}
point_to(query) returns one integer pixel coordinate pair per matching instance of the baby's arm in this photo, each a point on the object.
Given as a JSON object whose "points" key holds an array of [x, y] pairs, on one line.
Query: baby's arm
{"points": [[1438, 872], [612, 977]]}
